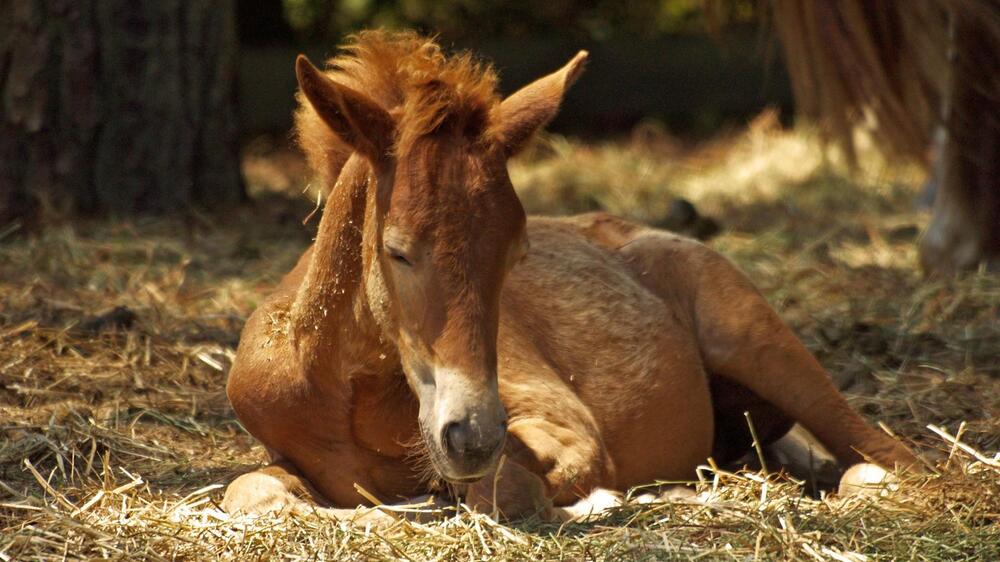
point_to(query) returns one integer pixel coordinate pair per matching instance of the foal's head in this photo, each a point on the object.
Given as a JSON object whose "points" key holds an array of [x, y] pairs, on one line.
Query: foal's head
{"points": [[449, 228]]}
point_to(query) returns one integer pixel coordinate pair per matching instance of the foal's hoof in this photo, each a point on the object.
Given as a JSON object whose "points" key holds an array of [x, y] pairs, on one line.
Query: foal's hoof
{"points": [[597, 503], [866, 479], [256, 493]]}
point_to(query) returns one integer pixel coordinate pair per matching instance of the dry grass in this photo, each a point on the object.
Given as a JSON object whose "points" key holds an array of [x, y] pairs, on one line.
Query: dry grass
{"points": [[116, 444]]}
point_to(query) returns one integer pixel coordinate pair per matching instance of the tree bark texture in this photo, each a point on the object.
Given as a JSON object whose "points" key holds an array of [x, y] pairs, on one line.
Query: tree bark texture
{"points": [[117, 106]]}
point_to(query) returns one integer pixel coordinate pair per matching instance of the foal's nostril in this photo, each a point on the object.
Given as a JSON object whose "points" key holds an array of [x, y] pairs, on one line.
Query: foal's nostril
{"points": [[469, 446], [456, 438]]}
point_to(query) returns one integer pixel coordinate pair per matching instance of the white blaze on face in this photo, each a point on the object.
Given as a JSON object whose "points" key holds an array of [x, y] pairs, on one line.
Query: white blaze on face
{"points": [[459, 399], [456, 395], [466, 422]]}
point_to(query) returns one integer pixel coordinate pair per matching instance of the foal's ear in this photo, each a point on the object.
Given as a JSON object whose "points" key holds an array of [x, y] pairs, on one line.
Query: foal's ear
{"points": [[530, 108], [353, 116]]}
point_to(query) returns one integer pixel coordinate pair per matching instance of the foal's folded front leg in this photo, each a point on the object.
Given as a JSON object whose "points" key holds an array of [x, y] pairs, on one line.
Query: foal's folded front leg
{"points": [[548, 465], [511, 491], [279, 488], [275, 488], [514, 492]]}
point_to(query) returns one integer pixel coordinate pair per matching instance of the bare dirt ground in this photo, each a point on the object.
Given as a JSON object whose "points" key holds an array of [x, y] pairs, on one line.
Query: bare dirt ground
{"points": [[116, 438]]}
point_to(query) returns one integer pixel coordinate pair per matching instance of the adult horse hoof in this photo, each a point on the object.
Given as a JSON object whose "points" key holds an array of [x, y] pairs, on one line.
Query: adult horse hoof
{"points": [[866, 479]]}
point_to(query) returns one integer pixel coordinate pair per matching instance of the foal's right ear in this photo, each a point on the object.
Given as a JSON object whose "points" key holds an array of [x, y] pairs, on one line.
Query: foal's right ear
{"points": [[353, 116]]}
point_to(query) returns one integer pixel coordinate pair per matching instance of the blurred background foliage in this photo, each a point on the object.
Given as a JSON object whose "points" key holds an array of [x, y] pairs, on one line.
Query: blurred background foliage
{"points": [[654, 62], [465, 20]]}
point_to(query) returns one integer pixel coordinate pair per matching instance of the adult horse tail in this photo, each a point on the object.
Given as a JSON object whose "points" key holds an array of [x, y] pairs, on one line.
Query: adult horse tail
{"points": [[913, 66]]}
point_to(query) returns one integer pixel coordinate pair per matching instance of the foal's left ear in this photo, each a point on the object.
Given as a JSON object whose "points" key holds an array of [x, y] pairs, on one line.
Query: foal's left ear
{"points": [[530, 108]]}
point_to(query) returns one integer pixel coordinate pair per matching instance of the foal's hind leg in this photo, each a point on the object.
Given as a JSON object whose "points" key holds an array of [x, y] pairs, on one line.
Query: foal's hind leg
{"points": [[785, 445], [743, 339]]}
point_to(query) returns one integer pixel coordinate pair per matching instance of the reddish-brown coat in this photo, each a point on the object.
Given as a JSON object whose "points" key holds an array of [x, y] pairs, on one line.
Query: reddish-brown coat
{"points": [[598, 343]]}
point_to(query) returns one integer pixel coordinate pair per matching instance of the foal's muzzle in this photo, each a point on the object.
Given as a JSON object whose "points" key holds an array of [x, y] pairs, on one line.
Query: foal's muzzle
{"points": [[470, 449], [463, 422]]}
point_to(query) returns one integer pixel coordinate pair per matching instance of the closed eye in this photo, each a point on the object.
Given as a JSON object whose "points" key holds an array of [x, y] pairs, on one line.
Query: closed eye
{"points": [[398, 256]]}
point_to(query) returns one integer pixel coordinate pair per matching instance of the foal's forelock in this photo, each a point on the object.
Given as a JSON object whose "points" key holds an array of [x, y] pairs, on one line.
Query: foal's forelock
{"points": [[409, 76]]}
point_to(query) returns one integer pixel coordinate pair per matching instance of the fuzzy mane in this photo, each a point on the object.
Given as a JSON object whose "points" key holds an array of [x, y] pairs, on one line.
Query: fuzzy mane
{"points": [[409, 76]]}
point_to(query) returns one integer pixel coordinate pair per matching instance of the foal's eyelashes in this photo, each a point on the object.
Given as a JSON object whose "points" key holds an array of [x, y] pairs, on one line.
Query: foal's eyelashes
{"points": [[398, 256], [398, 246]]}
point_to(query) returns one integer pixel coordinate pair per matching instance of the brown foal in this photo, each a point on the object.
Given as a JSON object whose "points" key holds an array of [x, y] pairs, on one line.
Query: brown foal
{"points": [[421, 337]]}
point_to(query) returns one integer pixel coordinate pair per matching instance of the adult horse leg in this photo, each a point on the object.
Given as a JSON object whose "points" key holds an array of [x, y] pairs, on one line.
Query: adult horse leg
{"points": [[742, 339], [964, 230]]}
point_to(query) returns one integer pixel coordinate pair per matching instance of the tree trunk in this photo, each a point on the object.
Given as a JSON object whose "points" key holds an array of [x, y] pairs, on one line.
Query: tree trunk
{"points": [[116, 107], [965, 227]]}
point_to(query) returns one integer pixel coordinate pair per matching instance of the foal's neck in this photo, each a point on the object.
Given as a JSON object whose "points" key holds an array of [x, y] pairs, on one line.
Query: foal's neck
{"points": [[332, 328]]}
